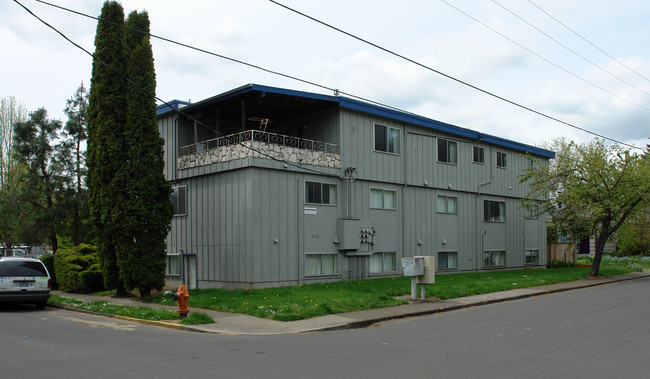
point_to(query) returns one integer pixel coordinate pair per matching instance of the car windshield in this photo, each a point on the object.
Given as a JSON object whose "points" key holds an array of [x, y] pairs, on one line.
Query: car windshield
{"points": [[22, 268]]}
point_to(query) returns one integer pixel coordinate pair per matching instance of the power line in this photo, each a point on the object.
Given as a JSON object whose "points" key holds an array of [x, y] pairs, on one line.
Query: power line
{"points": [[586, 40], [453, 78], [543, 58], [336, 91], [569, 49], [156, 97]]}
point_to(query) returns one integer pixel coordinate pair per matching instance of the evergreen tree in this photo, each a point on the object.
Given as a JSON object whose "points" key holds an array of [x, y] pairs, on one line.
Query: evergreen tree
{"points": [[145, 210], [75, 133], [106, 124]]}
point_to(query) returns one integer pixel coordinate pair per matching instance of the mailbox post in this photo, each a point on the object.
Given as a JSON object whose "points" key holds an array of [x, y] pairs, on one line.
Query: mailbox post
{"points": [[422, 270]]}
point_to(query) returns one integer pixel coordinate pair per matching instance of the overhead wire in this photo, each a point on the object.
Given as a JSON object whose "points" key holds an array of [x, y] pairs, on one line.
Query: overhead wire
{"points": [[569, 49], [512, 102], [177, 110], [337, 91], [544, 58], [589, 42]]}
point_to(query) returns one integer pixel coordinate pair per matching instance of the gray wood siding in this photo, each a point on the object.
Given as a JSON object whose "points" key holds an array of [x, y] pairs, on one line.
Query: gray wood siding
{"points": [[167, 130]]}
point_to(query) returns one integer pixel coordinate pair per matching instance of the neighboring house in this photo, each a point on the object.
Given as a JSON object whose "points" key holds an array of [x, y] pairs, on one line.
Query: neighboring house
{"points": [[281, 187]]}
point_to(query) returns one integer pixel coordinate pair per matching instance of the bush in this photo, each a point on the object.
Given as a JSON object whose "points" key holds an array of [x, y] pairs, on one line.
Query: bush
{"points": [[48, 261], [560, 264], [77, 269]]}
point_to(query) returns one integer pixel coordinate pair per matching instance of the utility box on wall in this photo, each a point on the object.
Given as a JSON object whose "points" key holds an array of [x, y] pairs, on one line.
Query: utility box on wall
{"points": [[348, 233]]}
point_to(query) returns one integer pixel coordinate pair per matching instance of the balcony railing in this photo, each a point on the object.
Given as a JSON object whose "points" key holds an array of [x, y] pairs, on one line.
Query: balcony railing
{"points": [[261, 136]]}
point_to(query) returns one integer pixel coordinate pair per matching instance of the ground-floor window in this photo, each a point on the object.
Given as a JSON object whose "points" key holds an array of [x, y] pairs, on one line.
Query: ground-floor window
{"points": [[173, 264], [494, 258], [532, 257], [447, 260], [317, 264], [382, 262]]}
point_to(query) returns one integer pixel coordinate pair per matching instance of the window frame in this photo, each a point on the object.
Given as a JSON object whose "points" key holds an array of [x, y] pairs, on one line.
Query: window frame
{"points": [[447, 142], [536, 256], [486, 256], [487, 212], [335, 266], [476, 149], [322, 192], [502, 159], [446, 211], [396, 132], [175, 198], [446, 253], [169, 256], [531, 214], [382, 260], [383, 197]]}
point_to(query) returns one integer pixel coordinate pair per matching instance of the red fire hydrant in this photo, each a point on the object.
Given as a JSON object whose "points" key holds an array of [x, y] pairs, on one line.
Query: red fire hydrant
{"points": [[183, 296]]}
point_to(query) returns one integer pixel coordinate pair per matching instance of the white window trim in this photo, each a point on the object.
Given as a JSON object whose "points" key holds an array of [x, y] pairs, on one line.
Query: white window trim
{"points": [[382, 270], [446, 202], [505, 256], [496, 162], [383, 190], [447, 252], [167, 271], [399, 147], [472, 152], [438, 152], [321, 254], [531, 263], [322, 183], [185, 200]]}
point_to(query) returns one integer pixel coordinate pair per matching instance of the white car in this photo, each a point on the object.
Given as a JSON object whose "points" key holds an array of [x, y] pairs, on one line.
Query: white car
{"points": [[24, 280]]}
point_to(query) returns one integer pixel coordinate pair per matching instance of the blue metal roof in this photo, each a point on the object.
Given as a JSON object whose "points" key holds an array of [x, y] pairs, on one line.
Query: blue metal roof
{"points": [[373, 109]]}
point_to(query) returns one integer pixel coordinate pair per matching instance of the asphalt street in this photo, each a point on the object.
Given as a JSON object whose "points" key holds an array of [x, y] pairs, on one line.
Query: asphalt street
{"points": [[597, 332]]}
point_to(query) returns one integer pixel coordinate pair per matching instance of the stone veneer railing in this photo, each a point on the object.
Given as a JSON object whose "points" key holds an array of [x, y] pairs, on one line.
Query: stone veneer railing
{"points": [[259, 144]]}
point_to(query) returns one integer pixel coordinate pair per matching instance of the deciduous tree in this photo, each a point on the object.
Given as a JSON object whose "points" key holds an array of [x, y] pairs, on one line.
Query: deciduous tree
{"points": [[590, 188]]}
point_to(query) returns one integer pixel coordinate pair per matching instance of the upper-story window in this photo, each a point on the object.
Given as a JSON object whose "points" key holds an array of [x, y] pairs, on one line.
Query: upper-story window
{"points": [[320, 193], [447, 151], [478, 154], [387, 139], [494, 211], [501, 159], [383, 199], [178, 198]]}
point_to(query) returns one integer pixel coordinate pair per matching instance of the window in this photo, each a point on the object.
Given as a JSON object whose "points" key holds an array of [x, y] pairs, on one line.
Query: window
{"points": [[531, 211], [478, 154], [179, 200], [318, 264], [532, 257], [382, 262], [447, 260], [173, 264], [447, 204], [447, 151], [320, 193], [496, 258], [494, 211], [386, 139], [501, 159], [383, 199]]}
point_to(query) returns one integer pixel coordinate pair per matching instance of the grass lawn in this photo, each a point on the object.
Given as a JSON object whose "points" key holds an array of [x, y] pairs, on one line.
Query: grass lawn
{"points": [[142, 313], [306, 301]]}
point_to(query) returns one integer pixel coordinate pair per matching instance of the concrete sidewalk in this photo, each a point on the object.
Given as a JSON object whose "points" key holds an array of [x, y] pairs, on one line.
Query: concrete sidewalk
{"points": [[233, 323]]}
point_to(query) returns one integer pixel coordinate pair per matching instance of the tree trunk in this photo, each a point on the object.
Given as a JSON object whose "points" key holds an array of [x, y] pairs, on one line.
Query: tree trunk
{"points": [[144, 292], [601, 239]]}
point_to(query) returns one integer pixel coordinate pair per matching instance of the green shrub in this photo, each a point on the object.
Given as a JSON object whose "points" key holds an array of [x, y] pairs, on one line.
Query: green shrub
{"points": [[77, 269], [560, 264], [48, 261]]}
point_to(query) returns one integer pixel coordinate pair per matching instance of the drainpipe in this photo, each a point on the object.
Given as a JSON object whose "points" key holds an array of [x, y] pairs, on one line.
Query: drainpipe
{"points": [[478, 221]]}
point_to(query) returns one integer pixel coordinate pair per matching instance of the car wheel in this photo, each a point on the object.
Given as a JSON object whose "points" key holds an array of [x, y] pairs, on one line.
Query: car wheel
{"points": [[40, 304]]}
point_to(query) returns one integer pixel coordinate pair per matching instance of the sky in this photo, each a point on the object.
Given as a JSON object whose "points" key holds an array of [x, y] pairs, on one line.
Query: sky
{"points": [[515, 49]]}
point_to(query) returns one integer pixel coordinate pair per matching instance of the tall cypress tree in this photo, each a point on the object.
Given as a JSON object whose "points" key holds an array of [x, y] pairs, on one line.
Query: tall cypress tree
{"points": [[145, 210], [106, 123]]}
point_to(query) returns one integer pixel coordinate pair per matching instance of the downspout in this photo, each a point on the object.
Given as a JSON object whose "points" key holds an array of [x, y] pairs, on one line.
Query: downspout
{"points": [[478, 222], [298, 221]]}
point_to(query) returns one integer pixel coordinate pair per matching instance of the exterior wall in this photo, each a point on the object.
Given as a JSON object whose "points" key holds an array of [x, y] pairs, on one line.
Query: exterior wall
{"points": [[249, 226]]}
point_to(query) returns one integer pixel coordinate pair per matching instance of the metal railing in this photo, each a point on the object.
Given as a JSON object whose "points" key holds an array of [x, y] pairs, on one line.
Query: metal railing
{"points": [[261, 136]]}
